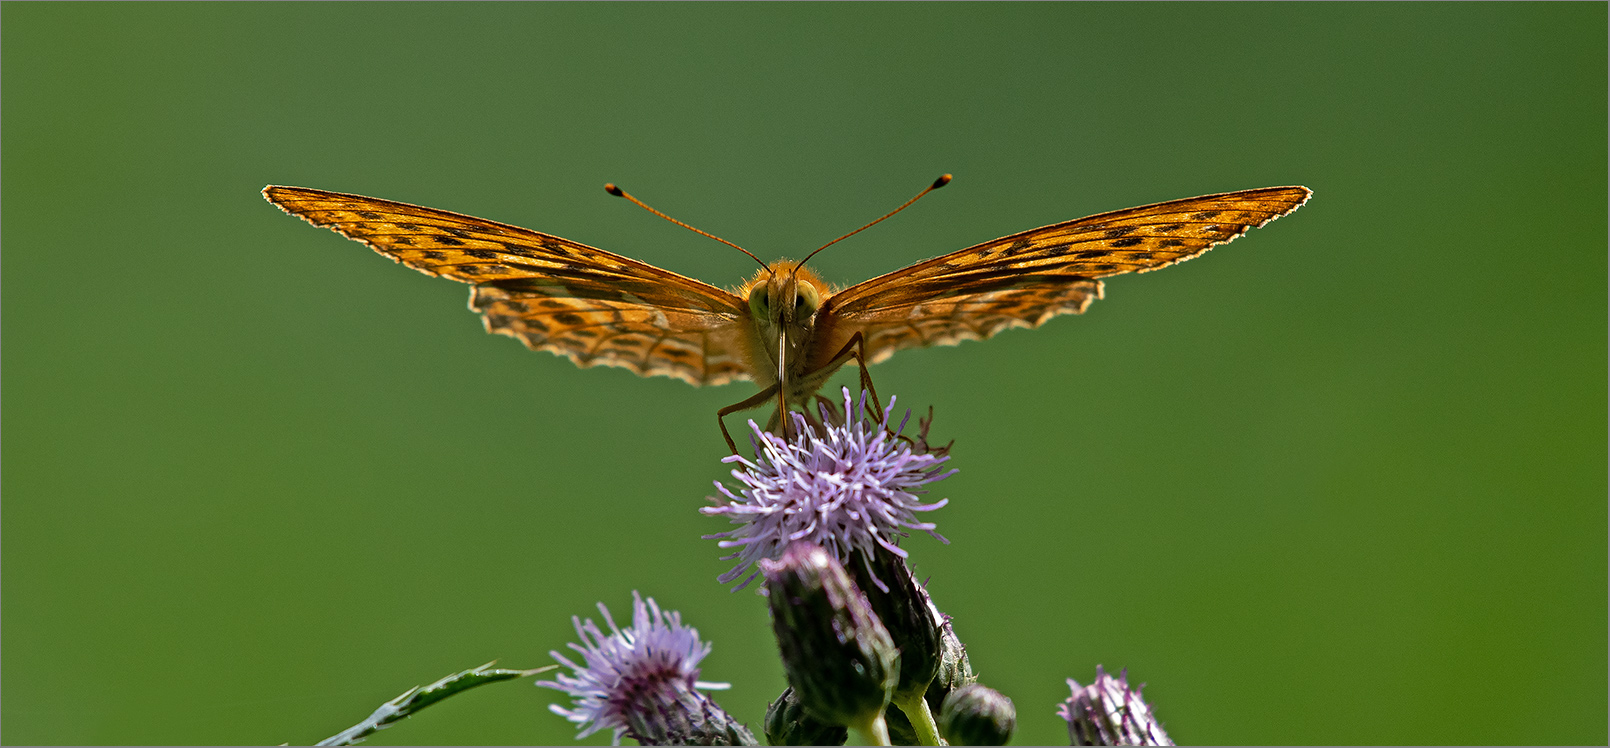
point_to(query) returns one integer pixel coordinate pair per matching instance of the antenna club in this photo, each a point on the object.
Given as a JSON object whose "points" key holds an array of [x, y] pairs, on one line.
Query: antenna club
{"points": [[616, 191], [943, 180]]}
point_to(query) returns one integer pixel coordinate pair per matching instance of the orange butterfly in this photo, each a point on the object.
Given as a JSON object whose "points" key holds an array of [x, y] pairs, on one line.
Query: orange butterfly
{"points": [[784, 328]]}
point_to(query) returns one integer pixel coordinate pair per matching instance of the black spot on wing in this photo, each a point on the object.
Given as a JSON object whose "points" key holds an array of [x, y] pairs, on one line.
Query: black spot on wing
{"points": [[990, 280], [1127, 241]]}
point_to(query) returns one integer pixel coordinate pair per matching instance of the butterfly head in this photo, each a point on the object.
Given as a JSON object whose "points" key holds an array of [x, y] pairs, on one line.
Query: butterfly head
{"points": [[784, 300]]}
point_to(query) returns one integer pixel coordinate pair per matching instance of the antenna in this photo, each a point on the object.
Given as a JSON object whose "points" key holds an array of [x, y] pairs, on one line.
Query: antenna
{"points": [[943, 180], [618, 192]]}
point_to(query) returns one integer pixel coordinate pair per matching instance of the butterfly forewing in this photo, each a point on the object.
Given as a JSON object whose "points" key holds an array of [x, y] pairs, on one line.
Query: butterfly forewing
{"points": [[1024, 279], [591, 306]]}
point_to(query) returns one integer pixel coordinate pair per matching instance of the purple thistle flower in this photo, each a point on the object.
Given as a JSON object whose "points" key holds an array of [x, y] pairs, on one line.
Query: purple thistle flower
{"points": [[640, 680], [1107, 712], [844, 484]]}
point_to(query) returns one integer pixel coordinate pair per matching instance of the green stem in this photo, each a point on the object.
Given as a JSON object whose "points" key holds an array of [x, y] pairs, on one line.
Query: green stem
{"points": [[874, 731], [922, 719]]}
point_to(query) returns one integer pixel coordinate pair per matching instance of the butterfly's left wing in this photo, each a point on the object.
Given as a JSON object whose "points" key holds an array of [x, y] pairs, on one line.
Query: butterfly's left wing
{"points": [[590, 306], [1024, 279]]}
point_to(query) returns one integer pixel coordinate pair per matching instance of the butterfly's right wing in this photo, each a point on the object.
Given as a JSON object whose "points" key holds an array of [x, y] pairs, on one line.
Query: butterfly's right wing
{"points": [[590, 306], [1027, 278]]}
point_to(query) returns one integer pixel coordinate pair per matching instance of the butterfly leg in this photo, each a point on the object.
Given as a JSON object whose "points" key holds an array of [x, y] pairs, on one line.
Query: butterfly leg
{"points": [[856, 349], [758, 398]]}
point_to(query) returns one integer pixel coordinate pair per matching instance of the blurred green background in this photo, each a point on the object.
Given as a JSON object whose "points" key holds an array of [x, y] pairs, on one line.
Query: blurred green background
{"points": [[1343, 481]]}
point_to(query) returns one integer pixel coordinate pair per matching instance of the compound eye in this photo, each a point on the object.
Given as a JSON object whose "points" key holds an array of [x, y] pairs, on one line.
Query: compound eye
{"points": [[806, 300], [758, 303]]}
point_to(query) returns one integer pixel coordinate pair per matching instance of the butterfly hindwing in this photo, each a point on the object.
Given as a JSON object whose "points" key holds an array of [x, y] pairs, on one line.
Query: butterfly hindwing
{"points": [[591, 306], [1027, 278]]}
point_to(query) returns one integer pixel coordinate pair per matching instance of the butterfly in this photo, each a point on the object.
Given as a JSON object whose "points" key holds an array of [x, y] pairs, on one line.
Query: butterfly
{"points": [[784, 328]]}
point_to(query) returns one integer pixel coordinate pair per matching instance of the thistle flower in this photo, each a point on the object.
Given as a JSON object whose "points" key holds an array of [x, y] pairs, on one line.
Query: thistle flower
{"points": [[1107, 712], [844, 485], [642, 681]]}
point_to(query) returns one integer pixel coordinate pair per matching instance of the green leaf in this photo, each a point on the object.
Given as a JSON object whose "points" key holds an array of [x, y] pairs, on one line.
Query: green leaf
{"points": [[416, 698]]}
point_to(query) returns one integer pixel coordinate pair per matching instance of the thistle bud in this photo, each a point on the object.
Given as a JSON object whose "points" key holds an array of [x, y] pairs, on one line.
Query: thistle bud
{"points": [[977, 715], [955, 670], [837, 655], [1107, 712], [902, 605], [787, 723]]}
